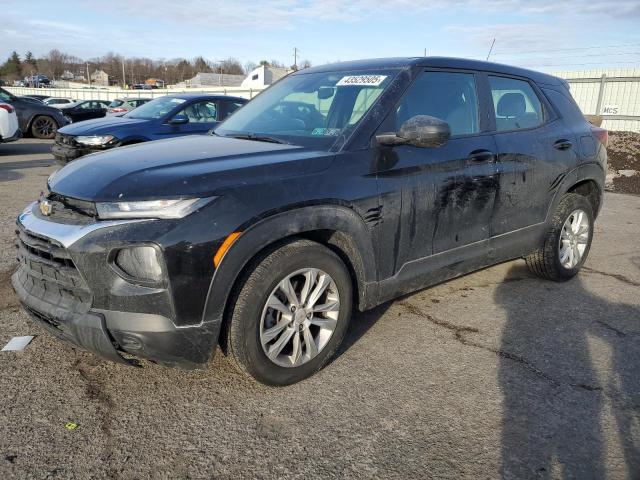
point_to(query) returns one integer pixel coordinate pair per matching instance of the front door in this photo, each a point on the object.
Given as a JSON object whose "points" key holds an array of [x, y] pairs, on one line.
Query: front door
{"points": [[445, 195], [202, 118]]}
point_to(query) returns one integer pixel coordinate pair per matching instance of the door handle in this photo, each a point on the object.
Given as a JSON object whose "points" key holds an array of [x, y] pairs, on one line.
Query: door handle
{"points": [[482, 156], [562, 144]]}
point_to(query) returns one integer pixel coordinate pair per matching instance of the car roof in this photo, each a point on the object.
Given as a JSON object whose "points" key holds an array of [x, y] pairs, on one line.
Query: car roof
{"points": [[434, 62], [192, 96]]}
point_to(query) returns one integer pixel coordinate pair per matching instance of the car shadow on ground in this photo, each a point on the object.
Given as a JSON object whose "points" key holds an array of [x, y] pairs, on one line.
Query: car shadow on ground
{"points": [[26, 147], [569, 364], [11, 170]]}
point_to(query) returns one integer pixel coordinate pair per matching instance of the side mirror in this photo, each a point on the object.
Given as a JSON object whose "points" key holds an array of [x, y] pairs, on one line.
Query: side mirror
{"points": [[179, 119], [325, 92], [419, 131]]}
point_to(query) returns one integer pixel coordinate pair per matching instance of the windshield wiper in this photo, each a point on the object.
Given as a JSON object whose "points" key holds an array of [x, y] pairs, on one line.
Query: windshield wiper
{"points": [[258, 138]]}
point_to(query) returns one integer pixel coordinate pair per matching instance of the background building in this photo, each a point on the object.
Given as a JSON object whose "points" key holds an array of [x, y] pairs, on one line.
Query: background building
{"points": [[263, 76], [100, 77], [213, 80]]}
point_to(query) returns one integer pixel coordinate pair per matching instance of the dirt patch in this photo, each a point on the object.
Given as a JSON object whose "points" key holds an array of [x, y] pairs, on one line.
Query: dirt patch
{"points": [[8, 298], [624, 162]]}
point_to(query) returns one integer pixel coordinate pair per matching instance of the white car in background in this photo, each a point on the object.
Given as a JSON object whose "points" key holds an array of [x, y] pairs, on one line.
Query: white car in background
{"points": [[56, 102], [9, 129]]}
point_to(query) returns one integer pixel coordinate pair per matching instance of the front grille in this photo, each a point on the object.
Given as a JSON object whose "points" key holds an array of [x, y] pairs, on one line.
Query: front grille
{"points": [[70, 210], [47, 272]]}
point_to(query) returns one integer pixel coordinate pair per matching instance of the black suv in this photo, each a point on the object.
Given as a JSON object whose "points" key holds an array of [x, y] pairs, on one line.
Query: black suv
{"points": [[340, 186]]}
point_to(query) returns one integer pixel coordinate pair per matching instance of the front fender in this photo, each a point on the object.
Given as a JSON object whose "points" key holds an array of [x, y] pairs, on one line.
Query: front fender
{"points": [[352, 237]]}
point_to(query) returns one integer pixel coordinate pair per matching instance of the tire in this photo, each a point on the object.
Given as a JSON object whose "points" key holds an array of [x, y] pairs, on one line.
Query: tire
{"points": [[44, 127], [550, 261], [252, 321]]}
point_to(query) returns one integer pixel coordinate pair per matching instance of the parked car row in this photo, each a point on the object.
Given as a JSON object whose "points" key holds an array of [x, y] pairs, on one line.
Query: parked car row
{"points": [[123, 105], [41, 116], [164, 117]]}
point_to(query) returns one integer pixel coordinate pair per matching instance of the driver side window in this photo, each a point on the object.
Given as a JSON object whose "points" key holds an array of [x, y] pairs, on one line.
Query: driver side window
{"points": [[200, 112], [448, 96]]}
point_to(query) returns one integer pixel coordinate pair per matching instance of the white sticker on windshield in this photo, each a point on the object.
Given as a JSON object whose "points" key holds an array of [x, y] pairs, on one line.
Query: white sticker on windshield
{"points": [[361, 80]]}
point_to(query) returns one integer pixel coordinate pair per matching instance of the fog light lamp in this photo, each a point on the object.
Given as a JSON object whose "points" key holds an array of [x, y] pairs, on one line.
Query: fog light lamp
{"points": [[140, 263]]}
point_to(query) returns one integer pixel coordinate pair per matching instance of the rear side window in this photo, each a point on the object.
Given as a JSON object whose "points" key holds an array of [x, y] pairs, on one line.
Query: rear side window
{"points": [[448, 96], [515, 104]]}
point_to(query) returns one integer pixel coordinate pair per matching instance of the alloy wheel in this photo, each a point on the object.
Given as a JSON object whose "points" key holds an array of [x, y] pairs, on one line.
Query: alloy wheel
{"points": [[44, 127], [574, 238], [299, 317]]}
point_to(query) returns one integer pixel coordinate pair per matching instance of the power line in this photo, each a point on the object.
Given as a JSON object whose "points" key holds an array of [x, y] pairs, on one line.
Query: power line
{"points": [[577, 64], [515, 52], [581, 56]]}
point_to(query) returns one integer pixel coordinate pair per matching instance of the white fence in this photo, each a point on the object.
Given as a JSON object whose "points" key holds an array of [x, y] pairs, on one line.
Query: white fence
{"points": [[105, 93], [613, 94]]}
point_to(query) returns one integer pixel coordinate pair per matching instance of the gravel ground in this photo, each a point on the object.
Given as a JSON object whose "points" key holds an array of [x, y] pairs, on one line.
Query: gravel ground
{"points": [[493, 374], [624, 162]]}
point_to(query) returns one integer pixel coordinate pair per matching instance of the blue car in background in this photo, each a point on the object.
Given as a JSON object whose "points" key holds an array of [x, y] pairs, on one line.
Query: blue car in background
{"points": [[164, 117]]}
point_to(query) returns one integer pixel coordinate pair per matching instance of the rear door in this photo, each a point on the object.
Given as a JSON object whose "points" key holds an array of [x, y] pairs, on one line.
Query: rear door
{"points": [[446, 193], [534, 150]]}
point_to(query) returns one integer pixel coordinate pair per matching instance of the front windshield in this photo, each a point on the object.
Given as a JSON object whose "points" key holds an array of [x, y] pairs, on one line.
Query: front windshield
{"points": [[309, 108], [155, 109]]}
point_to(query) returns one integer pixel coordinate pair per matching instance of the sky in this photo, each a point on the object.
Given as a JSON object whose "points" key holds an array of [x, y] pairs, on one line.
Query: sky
{"points": [[548, 35]]}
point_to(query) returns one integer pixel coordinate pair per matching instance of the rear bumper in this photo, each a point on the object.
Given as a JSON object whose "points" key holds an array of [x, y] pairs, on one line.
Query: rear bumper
{"points": [[16, 136]]}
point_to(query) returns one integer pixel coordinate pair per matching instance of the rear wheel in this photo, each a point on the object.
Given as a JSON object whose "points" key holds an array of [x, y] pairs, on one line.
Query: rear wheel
{"points": [[44, 127], [290, 314], [568, 240]]}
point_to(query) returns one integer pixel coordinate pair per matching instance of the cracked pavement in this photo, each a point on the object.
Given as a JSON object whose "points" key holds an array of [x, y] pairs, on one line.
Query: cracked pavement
{"points": [[495, 374]]}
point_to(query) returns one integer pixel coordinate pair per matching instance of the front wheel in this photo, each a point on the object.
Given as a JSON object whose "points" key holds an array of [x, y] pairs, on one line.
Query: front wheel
{"points": [[568, 240], [44, 127], [290, 314]]}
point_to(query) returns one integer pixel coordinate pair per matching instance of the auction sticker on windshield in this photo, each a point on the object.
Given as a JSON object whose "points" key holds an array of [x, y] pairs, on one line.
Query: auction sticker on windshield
{"points": [[361, 80]]}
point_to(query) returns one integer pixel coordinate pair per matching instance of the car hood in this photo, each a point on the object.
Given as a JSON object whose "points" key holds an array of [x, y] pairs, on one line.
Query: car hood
{"points": [[100, 125], [192, 166]]}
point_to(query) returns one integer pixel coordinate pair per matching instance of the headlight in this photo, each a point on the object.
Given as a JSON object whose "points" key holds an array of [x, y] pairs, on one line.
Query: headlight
{"points": [[177, 208], [140, 263], [94, 139]]}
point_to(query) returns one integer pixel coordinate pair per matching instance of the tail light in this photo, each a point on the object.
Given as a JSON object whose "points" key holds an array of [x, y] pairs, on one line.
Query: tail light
{"points": [[7, 107], [118, 110], [601, 134]]}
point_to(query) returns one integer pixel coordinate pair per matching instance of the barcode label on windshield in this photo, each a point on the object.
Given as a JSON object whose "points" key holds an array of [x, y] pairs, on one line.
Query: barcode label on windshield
{"points": [[361, 80]]}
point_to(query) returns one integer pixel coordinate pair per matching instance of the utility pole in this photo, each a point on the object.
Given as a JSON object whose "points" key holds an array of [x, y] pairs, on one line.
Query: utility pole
{"points": [[295, 58], [425, 52], [491, 49], [88, 76], [124, 77]]}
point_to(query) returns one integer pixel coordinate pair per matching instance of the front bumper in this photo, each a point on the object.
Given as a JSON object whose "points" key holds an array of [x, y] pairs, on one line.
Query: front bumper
{"points": [[66, 285], [64, 154]]}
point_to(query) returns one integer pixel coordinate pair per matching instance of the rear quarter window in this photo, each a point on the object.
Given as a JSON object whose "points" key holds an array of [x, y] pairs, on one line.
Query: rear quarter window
{"points": [[516, 105]]}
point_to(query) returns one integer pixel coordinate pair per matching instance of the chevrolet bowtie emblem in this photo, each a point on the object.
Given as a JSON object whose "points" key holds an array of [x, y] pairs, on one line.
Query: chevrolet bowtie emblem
{"points": [[46, 207]]}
